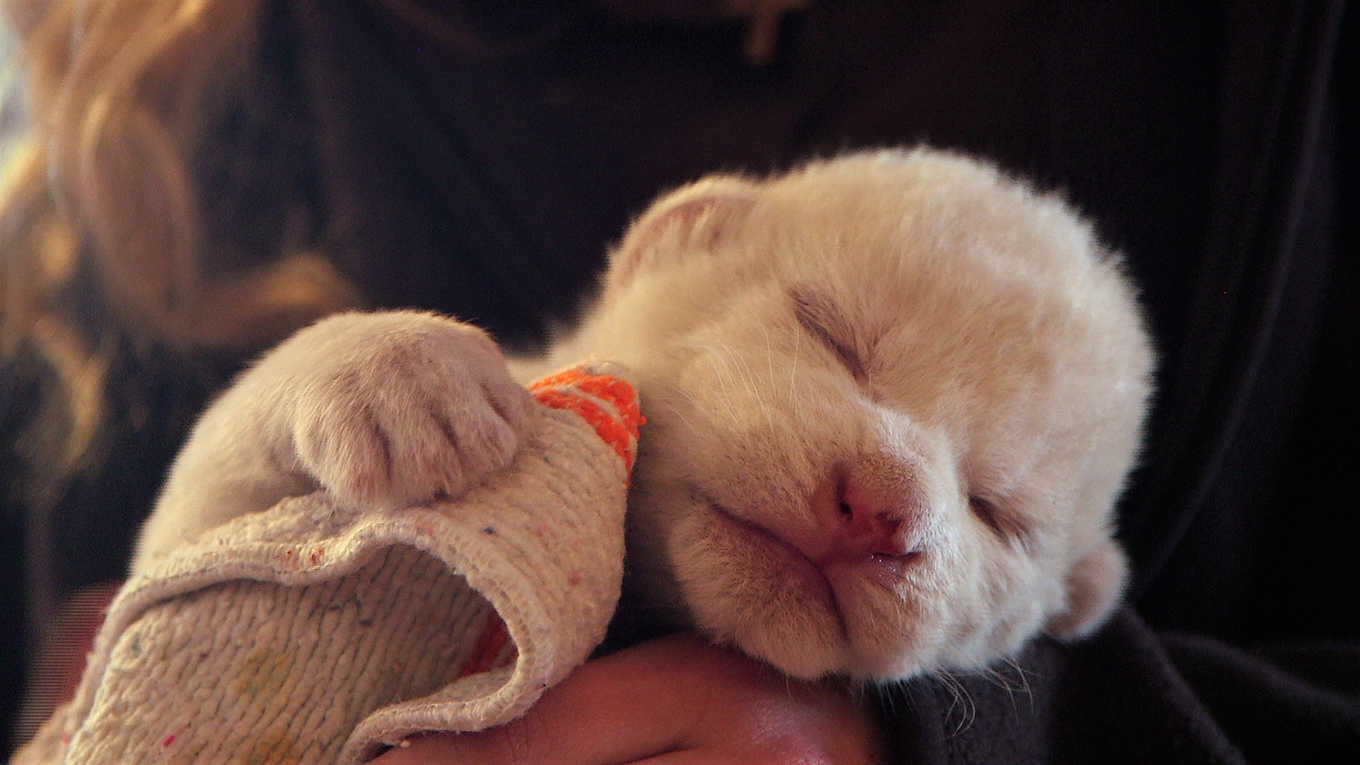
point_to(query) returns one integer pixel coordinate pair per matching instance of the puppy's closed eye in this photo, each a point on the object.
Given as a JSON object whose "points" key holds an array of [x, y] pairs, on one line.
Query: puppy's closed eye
{"points": [[818, 315], [1003, 522]]}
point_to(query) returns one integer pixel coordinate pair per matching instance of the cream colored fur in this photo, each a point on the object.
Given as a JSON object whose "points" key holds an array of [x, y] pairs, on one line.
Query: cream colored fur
{"points": [[891, 397]]}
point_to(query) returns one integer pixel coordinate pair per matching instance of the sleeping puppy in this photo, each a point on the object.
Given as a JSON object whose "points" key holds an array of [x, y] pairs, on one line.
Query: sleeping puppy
{"points": [[892, 398]]}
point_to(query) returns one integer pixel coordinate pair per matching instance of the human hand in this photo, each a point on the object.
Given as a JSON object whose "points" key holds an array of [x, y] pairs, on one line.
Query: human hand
{"points": [[675, 700]]}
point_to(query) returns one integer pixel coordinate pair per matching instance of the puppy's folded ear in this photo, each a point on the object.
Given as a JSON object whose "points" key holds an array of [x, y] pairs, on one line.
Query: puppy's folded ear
{"points": [[1094, 586], [691, 219]]}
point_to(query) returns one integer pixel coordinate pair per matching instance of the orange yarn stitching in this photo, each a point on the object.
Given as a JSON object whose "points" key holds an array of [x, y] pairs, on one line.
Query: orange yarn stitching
{"points": [[613, 432], [621, 431]]}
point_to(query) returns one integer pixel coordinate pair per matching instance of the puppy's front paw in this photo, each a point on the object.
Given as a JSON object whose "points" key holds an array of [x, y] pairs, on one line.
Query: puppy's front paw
{"points": [[413, 408]]}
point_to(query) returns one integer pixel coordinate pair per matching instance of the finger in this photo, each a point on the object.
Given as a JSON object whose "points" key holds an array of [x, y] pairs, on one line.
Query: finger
{"points": [[612, 710], [702, 757], [621, 708], [669, 702]]}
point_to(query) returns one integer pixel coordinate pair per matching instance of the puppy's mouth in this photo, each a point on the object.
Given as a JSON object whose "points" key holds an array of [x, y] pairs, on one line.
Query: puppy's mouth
{"points": [[802, 570]]}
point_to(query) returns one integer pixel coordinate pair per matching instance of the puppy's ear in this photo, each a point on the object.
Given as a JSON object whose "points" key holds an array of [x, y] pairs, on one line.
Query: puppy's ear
{"points": [[691, 219], [1094, 586]]}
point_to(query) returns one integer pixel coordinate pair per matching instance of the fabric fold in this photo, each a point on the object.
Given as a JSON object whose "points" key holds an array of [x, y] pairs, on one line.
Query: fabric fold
{"points": [[314, 633]]}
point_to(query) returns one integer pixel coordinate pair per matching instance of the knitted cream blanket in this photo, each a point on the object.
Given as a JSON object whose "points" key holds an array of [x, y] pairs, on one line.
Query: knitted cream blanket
{"points": [[312, 634]]}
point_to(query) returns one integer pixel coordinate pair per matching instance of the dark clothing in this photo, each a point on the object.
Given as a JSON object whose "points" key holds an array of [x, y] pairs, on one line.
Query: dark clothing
{"points": [[482, 168], [1134, 695]]}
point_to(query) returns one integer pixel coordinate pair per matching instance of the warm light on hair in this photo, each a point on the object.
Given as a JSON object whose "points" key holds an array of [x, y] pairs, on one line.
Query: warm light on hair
{"points": [[121, 98]]}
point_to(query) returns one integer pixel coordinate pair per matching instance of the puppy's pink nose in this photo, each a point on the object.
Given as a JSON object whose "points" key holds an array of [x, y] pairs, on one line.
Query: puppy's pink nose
{"points": [[862, 518]]}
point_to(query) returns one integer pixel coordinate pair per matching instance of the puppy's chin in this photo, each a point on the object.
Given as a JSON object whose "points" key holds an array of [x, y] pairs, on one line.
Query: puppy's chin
{"points": [[741, 585], [959, 605], [744, 587]]}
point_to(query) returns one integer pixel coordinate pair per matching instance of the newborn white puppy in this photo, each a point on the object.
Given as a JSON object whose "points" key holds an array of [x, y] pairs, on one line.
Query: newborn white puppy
{"points": [[892, 399]]}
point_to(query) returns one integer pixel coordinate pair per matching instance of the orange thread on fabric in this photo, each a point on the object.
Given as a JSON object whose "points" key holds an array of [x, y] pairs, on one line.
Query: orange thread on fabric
{"points": [[621, 431], [610, 430], [619, 393], [613, 389]]}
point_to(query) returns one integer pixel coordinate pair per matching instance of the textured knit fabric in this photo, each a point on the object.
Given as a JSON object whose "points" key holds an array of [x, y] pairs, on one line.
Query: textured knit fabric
{"points": [[312, 633]]}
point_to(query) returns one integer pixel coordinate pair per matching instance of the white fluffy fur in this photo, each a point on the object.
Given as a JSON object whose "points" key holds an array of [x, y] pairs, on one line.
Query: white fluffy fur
{"points": [[907, 333]]}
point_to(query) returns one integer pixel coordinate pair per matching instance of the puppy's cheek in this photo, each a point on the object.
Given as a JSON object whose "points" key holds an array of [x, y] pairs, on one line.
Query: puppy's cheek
{"points": [[1094, 587]]}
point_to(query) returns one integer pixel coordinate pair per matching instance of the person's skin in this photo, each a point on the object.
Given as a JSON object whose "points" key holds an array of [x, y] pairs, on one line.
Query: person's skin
{"points": [[60, 660], [673, 701]]}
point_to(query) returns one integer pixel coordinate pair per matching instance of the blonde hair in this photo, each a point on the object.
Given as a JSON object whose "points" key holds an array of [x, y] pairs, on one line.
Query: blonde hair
{"points": [[122, 98]]}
